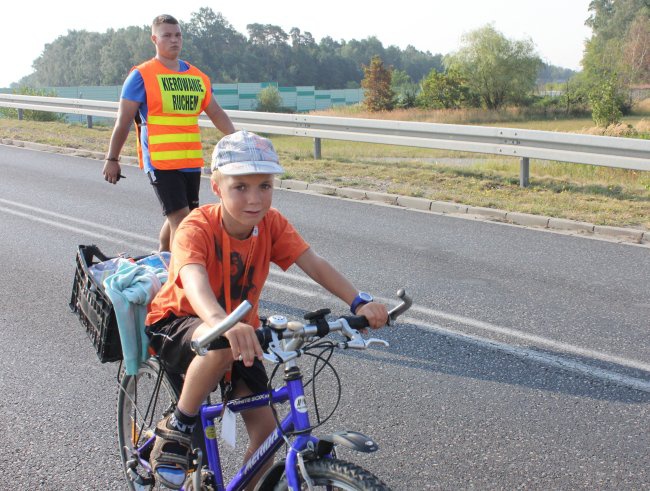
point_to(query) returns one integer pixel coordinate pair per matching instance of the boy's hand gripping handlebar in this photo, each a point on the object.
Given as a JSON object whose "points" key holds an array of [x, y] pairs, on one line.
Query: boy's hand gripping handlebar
{"points": [[200, 345]]}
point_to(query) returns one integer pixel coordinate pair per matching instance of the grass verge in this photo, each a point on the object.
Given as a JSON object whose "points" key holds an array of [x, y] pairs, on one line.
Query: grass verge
{"points": [[600, 195]]}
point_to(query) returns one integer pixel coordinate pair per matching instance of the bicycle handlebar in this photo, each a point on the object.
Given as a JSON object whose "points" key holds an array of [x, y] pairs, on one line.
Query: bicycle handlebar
{"points": [[297, 332]]}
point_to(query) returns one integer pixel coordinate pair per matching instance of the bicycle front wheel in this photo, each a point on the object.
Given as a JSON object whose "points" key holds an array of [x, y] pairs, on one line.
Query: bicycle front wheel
{"points": [[333, 474], [142, 401]]}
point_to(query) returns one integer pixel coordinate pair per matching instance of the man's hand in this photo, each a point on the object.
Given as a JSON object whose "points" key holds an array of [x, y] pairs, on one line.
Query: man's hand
{"points": [[244, 343], [112, 171], [376, 313]]}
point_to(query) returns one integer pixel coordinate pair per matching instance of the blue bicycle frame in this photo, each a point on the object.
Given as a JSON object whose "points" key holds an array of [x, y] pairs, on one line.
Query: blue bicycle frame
{"points": [[297, 419]]}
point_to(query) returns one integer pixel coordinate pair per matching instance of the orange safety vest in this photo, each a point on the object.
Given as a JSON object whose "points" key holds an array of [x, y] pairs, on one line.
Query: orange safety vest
{"points": [[174, 102]]}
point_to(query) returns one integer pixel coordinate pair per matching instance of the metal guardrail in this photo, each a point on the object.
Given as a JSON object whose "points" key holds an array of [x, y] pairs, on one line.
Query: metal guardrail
{"points": [[626, 153]]}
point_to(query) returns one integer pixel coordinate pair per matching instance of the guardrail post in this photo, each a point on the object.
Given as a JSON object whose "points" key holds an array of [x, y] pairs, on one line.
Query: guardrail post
{"points": [[20, 114], [317, 148], [524, 172], [89, 121]]}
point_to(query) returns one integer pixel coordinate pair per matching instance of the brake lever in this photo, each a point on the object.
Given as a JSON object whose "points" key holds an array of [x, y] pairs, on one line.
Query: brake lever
{"points": [[380, 342], [357, 342]]}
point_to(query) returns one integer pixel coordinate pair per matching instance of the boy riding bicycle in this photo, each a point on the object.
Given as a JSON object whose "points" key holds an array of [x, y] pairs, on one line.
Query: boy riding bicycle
{"points": [[221, 256]]}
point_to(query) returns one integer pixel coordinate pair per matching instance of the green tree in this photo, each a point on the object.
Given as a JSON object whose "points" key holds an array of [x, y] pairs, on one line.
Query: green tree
{"points": [[499, 70], [636, 49], [270, 54], [124, 49], [378, 94], [619, 43], [214, 45]]}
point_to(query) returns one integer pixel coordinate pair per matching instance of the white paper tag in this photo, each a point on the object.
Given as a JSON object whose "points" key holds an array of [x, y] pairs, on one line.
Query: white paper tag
{"points": [[229, 428]]}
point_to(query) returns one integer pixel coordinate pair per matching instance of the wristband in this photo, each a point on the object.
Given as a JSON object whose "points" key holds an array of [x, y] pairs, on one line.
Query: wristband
{"points": [[362, 298], [112, 159]]}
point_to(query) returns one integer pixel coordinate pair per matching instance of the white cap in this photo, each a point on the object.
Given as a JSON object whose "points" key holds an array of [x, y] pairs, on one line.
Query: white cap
{"points": [[242, 153]]}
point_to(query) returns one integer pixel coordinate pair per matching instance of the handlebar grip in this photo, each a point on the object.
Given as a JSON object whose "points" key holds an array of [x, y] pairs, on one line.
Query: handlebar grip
{"points": [[357, 321]]}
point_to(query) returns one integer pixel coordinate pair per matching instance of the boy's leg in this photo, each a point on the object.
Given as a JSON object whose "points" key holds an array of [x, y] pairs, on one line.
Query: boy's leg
{"points": [[203, 375], [178, 193], [171, 340], [168, 229], [259, 425]]}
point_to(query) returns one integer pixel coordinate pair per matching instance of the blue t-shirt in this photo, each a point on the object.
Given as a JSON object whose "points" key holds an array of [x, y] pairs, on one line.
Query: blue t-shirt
{"points": [[133, 90]]}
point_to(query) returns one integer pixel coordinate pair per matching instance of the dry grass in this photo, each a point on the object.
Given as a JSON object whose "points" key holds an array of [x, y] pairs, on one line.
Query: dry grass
{"points": [[509, 115], [600, 195], [642, 107]]}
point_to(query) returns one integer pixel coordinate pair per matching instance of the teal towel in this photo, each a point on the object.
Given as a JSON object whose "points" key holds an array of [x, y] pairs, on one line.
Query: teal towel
{"points": [[131, 288]]}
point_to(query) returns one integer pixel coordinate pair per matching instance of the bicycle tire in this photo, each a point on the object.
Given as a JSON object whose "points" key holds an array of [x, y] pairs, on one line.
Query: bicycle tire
{"points": [[133, 401], [334, 474]]}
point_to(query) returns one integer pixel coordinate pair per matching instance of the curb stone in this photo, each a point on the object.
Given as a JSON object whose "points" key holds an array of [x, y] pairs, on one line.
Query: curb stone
{"points": [[351, 193], [564, 224], [321, 188], [293, 184], [631, 234], [445, 207], [527, 219], [391, 199], [415, 203], [487, 212], [627, 235]]}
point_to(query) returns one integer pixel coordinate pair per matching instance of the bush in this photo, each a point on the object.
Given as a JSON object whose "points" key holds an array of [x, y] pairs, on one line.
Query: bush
{"points": [[269, 100], [606, 103], [30, 114], [406, 99]]}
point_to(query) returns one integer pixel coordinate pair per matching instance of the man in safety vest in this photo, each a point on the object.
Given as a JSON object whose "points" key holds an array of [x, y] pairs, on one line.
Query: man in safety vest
{"points": [[165, 97]]}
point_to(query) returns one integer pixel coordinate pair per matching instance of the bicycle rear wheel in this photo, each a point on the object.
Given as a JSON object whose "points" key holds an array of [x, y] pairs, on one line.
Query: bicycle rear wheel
{"points": [[333, 474], [142, 401]]}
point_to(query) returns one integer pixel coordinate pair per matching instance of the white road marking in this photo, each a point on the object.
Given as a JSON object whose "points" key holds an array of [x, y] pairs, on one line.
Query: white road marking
{"points": [[78, 230], [533, 339], [43, 211]]}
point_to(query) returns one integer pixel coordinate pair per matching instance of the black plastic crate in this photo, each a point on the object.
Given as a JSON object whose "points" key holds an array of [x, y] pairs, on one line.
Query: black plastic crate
{"points": [[93, 307]]}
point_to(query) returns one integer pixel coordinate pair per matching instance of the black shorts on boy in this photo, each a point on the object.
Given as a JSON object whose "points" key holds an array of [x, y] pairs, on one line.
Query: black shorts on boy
{"points": [[171, 339], [176, 189]]}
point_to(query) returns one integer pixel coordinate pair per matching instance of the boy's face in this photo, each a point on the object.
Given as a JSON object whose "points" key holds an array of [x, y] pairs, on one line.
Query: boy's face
{"points": [[168, 40], [244, 200]]}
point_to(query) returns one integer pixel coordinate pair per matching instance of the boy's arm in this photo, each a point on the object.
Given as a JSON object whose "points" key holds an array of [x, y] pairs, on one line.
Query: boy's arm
{"points": [[242, 338], [125, 115], [219, 117], [323, 273]]}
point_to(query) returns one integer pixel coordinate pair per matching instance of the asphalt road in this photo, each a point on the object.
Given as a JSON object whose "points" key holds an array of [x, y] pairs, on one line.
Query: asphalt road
{"points": [[524, 363]]}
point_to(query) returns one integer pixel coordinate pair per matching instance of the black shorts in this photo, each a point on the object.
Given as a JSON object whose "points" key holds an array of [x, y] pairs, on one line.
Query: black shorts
{"points": [[170, 338], [176, 189]]}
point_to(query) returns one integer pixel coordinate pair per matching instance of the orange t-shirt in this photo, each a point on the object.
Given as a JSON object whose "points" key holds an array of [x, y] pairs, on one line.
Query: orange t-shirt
{"points": [[198, 241]]}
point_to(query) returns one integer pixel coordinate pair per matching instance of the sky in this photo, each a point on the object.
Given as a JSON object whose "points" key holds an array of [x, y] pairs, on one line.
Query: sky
{"points": [[556, 27]]}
